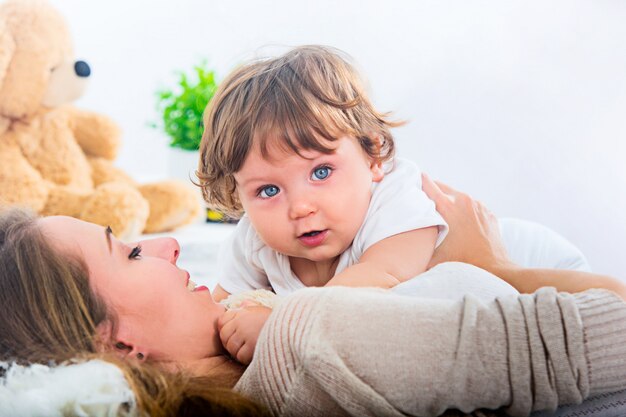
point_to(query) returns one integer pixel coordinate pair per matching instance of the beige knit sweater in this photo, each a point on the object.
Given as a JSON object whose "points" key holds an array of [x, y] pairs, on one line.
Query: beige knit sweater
{"points": [[339, 351]]}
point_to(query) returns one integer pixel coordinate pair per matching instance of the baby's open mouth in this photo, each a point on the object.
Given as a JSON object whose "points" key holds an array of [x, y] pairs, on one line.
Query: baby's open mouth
{"points": [[313, 238], [310, 234]]}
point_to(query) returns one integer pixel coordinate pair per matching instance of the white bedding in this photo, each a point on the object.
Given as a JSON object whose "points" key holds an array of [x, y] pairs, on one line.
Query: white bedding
{"points": [[533, 245], [528, 244]]}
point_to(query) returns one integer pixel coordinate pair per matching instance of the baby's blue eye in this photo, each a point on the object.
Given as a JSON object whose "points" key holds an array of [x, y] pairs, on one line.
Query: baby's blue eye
{"points": [[320, 173], [268, 191]]}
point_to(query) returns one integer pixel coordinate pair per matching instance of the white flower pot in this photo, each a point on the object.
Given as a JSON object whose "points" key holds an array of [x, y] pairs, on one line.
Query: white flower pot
{"points": [[182, 164]]}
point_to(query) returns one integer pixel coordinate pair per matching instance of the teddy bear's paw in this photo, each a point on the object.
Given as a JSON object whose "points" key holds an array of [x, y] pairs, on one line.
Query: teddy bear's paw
{"points": [[119, 206], [172, 204], [98, 135], [64, 201], [23, 193], [20, 183], [103, 171]]}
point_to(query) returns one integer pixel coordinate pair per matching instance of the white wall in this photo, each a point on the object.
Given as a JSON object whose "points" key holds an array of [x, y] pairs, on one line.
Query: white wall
{"points": [[522, 104]]}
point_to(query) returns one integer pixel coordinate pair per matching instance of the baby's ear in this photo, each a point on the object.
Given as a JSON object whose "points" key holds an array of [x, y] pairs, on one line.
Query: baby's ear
{"points": [[376, 164], [377, 170]]}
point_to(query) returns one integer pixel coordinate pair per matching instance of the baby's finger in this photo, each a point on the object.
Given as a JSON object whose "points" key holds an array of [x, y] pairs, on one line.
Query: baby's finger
{"points": [[227, 331], [245, 354], [225, 318], [234, 345]]}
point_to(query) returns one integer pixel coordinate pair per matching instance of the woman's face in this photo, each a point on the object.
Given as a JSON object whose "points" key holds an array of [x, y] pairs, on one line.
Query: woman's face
{"points": [[157, 314]]}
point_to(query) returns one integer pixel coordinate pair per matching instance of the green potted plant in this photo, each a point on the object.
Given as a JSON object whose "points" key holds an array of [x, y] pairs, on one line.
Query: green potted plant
{"points": [[181, 110]]}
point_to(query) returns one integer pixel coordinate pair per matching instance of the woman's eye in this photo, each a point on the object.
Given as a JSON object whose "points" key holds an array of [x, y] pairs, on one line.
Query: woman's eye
{"points": [[321, 173], [268, 191], [135, 253]]}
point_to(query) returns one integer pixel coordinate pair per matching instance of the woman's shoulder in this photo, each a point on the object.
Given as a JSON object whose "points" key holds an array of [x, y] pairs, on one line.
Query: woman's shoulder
{"points": [[297, 332], [328, 298]]}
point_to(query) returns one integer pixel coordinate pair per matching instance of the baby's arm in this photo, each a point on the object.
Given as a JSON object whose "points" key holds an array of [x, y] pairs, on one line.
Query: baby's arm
{"points": [[391, 261]]}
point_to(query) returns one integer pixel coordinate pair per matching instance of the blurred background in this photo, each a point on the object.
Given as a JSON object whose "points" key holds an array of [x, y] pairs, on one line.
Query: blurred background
{"points": [[520, 103]]}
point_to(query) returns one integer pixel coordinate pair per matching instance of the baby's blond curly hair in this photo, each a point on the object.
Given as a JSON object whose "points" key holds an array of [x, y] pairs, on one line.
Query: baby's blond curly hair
{"points": [[300, 100]]}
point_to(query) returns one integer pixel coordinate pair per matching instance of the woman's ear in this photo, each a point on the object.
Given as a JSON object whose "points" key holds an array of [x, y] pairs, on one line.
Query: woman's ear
{"points": [[126, 350], [121, 344]]}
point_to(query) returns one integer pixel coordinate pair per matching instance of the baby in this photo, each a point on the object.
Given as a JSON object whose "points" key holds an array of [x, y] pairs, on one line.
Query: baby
{"points": [[294, 144]]}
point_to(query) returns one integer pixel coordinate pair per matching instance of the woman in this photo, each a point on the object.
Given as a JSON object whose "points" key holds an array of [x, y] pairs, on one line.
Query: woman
{"points": [[71, 289]]}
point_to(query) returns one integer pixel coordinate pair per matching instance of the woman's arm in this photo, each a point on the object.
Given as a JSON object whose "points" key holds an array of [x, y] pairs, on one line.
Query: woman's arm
{"points": [[528, 280], [339, 351], [474, 238]]}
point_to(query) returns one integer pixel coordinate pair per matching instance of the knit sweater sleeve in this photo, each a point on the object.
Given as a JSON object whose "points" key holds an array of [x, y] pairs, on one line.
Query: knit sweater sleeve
{"points": [[338, 351]]}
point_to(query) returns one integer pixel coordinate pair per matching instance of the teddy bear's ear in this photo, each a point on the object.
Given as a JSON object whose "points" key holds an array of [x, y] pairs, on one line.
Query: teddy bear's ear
{"points": [[7, 48]]}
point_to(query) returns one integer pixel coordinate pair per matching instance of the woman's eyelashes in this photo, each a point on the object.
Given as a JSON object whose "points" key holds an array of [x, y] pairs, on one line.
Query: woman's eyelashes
{"points": [[135, 252]]}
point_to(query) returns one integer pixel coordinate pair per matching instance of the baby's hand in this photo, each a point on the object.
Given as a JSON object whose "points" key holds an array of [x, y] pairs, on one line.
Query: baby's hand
{"points": [[239, 331]]}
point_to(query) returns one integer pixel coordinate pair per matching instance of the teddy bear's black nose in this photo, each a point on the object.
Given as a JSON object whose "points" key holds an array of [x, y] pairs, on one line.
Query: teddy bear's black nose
{"points": [[81, 68]]}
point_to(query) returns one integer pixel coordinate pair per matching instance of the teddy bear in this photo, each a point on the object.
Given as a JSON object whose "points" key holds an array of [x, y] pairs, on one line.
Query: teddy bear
{"points": [[57, 159]]}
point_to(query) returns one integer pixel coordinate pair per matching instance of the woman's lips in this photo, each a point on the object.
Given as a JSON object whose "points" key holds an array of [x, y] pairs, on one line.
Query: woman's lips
{"points": [[316, 239], [193, 287]]}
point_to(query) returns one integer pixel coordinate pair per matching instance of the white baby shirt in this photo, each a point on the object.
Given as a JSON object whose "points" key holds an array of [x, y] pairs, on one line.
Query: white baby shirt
{"points": [[398, 205]]}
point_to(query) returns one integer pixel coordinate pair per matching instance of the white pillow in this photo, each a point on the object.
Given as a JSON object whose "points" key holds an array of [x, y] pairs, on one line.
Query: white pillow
{"points": [[533, 245], [93, 388], [528, 244]]}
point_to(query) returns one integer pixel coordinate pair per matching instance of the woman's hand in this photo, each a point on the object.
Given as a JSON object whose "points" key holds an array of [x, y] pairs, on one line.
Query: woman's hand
{"points": [[474, 238], [474, 235]]}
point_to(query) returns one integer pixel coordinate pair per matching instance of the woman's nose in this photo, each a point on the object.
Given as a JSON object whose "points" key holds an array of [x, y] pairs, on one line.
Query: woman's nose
{"points": [[163, 247]]}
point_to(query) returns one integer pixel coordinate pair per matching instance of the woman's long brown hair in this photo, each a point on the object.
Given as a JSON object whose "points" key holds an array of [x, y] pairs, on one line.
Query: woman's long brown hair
{"points": [[50, 315]]}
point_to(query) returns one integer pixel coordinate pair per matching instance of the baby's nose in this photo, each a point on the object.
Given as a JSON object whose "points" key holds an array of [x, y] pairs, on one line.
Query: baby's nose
{"points": [[301, 209], [163, 247]]}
